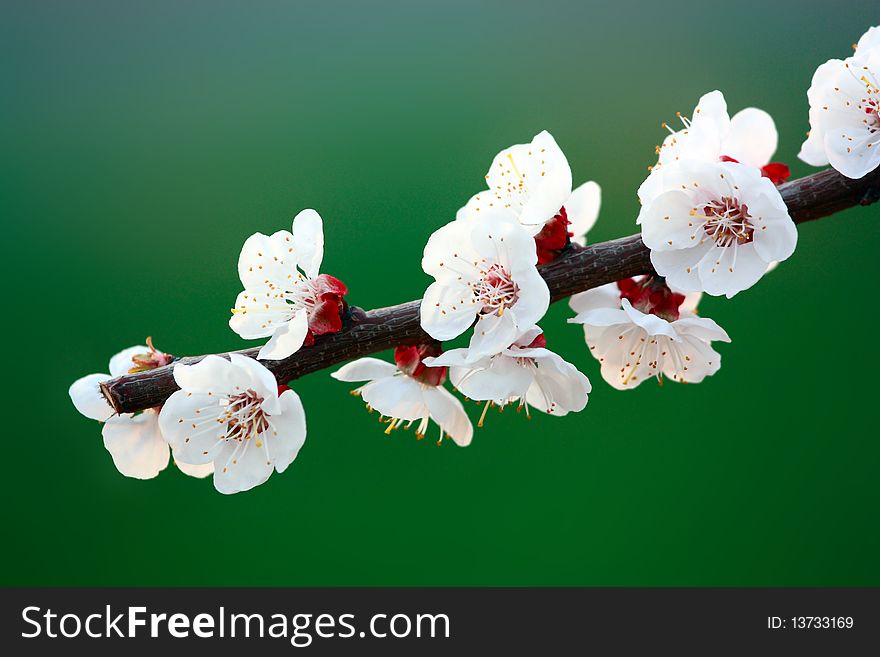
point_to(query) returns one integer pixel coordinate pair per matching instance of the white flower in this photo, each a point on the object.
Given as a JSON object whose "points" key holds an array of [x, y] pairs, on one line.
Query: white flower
{"points": [[716, 227], [484, 270], [534, 182], [291, 305], [133, 440], [525, 372], [845, 111], [749, 138], [662, 338], [409, 392], [230, 413]]}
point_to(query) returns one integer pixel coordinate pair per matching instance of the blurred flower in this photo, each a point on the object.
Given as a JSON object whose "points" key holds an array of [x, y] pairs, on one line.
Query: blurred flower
{"points": [[748, 138], [845, 111], [133, 439], [410, 392], [232, 413], [533, 181], [291, 305], [525, 372], [715, 227], [638, 329], [484, 269]]}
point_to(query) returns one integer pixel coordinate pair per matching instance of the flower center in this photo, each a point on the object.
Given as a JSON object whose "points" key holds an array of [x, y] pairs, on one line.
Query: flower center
{"points": [[244, 416], [727, 222], [496, 290]]}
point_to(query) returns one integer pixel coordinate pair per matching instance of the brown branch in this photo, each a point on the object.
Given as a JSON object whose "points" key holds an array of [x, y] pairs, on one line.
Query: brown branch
{"points": [[576, 270]]}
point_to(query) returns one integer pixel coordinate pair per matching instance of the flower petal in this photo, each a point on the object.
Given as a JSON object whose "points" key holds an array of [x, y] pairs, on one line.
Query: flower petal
{"points": [[136, 445], [308, 241], [287, 338], [752, 139], [492, 334], [582, 208], [197, 471], [212, 374], [122, 362], [267, 261], [448, 412], [447, 310], [492, 379], [189, 422], [398, 396], [364, 369], [85, 393], [243, 467], [289, 427], [605, 296], [260, 380], [259, 311]]}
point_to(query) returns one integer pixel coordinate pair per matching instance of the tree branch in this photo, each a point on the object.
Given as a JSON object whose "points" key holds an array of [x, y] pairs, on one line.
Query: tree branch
{"points": [[577, 269]]}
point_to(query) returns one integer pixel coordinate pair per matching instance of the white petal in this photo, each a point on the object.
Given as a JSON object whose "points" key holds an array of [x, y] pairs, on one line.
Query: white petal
{"points": [[499, 239], [85, 393], [137, 447], [601, 317], [308, 241], [668, 222], [259, 311], [559, 387], [364, 369], [188, 421], [752, 138], [492, 379], [694, 360], [702, 328], [261, 380], [198, 471], [122, 362], [729, 270], [681, 267], [447, 310], [448, 412], [869, 40], [242, 468], [212, 374], [532, 180], [288, 431], [287, 338], [266, 260], [449, 253], [582, 209], [533, 297], [492, 334], [398, 396], [652, 324], [606, 296]]}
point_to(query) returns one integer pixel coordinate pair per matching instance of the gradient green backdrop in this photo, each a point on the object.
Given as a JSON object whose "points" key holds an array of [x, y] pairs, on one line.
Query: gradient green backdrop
{"points": [[143, 142]]}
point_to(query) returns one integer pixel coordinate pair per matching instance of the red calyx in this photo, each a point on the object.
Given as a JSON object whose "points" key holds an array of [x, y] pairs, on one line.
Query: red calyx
{"points": [[539, 342], [777, 172], [651, 296], [282, 389], [553, 237], [326, 315], [410, 361]]}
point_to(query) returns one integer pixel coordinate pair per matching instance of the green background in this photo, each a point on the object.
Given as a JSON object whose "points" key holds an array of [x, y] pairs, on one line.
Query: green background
{"points": [[143, 142]]}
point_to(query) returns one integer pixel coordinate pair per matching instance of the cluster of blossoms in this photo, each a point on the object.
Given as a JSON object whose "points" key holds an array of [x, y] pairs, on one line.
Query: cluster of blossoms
{"points": [[711, 215]]}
